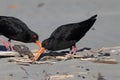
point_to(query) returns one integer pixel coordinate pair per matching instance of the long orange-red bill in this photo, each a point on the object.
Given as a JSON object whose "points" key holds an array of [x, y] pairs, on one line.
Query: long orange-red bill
{"points": [[39, 43], [38, 54]]}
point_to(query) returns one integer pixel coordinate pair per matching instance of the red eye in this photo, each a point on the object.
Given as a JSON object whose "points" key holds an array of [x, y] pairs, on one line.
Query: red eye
{"points": [[46, 43], [34, 36]]}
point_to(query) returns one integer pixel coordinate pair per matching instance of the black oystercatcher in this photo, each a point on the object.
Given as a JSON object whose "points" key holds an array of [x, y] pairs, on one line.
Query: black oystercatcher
{"points": [[15, 29], [66, 36]]}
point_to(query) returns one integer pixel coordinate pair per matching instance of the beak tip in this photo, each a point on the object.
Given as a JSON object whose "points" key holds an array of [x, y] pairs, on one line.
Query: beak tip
{"points": [[38, 54]]}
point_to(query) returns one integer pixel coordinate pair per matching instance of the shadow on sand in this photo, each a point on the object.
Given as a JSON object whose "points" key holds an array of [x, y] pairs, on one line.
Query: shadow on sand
{"points": [[2, 48], [62, 53]]}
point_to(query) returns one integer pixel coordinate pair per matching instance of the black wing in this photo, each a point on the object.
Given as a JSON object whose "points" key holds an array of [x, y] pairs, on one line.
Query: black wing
{"points": [[81, 28], [62, 32], [73, 31], [10, 26]]}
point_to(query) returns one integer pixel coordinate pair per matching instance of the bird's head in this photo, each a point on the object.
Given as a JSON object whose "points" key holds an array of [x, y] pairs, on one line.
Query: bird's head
{"points": [[32, 37], [50, 43], [35, 38], [46, 43]]}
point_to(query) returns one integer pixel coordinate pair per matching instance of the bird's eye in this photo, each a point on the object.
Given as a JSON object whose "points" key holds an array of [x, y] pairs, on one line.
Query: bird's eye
{"points": [[34, 36], [46, 43]]}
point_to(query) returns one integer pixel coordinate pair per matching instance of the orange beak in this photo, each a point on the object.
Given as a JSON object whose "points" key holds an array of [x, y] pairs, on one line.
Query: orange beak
{"points": [[39, 52], [39, 43]]}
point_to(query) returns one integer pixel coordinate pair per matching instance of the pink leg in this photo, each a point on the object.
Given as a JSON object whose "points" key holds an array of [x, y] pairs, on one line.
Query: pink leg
{"points": [[4, 43], [75, 50], [71, 51], [10, 45]]}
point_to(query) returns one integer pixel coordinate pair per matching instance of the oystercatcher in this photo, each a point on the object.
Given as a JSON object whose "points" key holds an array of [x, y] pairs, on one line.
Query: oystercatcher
{"points": [[66, 36], [15, 29]]}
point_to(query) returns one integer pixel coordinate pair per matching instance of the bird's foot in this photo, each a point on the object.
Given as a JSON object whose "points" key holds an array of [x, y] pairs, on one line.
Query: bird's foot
{"points": [[74, 50], [69, 56]]}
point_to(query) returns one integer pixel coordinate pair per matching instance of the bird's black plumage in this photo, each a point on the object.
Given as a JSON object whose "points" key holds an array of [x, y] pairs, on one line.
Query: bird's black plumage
{"points": [[13, 28], [67, 35]]}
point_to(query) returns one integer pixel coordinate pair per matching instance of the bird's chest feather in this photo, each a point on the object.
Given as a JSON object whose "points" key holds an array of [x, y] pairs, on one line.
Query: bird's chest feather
{"points": [[59, 45]]}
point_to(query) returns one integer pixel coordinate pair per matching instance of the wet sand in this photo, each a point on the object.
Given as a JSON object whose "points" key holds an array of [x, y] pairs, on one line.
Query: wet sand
{"points": [[44, 16]]}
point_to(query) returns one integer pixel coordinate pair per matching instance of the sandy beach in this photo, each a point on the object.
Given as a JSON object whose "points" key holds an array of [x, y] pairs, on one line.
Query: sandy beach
{"points": [[44, 16]]}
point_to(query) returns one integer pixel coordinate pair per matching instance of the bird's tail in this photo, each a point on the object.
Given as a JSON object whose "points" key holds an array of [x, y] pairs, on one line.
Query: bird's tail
{"points": [[93, 18], [87, 24]]}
